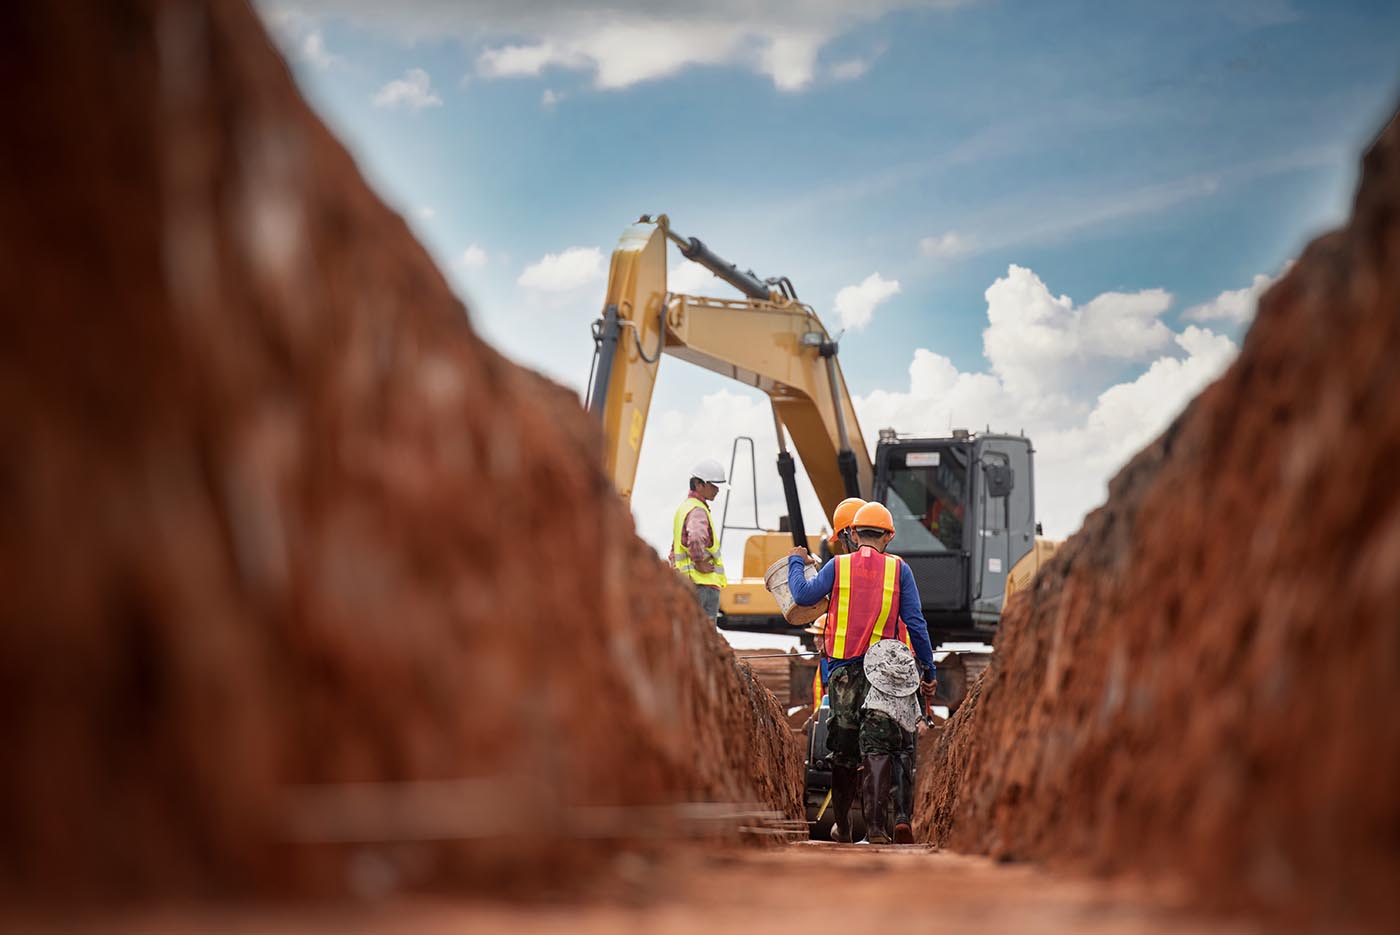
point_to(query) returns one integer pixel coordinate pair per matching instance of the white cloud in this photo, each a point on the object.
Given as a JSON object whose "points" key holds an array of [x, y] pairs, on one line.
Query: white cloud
{"points": [[943, 246], [414, 91], [313, 49], [623, 44], [572, 269], [690, 278], [516, 61], [550, 97], [1235, 306], [855, 305], [472, 258], [1083, 430], [425, 213], [790, 60], [1037, 342]]}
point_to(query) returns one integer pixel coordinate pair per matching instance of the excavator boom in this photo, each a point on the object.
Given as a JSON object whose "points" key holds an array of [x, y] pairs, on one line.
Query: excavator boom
{"points": [[772, 342]]}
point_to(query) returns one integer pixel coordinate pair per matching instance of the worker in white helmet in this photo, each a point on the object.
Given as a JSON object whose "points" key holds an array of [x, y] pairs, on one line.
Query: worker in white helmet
{"points": [[694, 543]]}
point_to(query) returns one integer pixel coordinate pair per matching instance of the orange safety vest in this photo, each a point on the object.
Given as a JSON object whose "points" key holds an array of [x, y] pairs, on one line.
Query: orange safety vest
{"points": [[864, 604]]}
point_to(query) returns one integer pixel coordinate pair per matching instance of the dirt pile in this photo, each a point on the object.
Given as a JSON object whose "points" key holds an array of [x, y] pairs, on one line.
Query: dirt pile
{"points": [[1204, 682], [277, 521]]}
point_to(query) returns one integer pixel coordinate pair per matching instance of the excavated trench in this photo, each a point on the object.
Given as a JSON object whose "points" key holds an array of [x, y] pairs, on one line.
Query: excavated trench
{"points": [[308, 591]]}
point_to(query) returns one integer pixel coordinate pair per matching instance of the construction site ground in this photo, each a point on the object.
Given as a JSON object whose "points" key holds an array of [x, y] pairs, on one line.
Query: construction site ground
{"points": [[771, 890]]}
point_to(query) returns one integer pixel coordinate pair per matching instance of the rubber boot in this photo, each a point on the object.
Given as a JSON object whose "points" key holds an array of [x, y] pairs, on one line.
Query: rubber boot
{"points": [[875, 797], [843, 795], [904, 798]]}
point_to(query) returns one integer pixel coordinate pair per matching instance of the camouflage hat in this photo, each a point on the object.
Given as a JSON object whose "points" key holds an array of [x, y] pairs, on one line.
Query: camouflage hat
{"points": [[890, 667]]}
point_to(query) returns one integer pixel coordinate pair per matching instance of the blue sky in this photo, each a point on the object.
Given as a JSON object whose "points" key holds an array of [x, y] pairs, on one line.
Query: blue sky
{"points": [[1139, 159]]}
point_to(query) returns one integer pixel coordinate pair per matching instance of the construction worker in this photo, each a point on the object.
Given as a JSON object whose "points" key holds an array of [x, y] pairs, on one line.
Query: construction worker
{"points": [[873, 597], [694, 544], [838, 544], [841, 519]]}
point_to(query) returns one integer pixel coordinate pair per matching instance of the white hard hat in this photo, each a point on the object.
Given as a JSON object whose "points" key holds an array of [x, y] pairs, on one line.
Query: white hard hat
{"points": [[709, 471]]}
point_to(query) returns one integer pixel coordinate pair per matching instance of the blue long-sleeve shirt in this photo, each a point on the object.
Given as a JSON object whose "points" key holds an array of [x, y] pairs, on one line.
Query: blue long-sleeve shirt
{"points": [[911, 609]]}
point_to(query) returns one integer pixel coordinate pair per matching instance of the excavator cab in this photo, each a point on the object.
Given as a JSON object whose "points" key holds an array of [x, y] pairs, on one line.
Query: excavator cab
{"points": [[964, 515]]}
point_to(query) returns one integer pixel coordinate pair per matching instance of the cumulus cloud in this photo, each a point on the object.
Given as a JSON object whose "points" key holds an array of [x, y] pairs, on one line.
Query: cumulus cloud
{"points": [[1235, 306], [943, 246], [472, 258], [855, 305], [425, 213], [550, 97], [414, 91], [621, 45], [1083, 430], [572, 269], [1037, 342]]}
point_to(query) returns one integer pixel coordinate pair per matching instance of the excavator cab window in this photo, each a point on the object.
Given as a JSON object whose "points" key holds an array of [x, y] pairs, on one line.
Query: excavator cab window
{"points": [[926, 493]]}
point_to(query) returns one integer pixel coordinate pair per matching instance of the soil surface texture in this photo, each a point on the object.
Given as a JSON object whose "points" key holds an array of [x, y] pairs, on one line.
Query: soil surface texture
{"points": [[303, 588], [1203, 684], [800, 889]]}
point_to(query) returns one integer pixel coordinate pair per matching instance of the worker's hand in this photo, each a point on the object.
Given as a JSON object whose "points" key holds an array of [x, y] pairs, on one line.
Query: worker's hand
{"points": [[929, 687], [800, 552]]}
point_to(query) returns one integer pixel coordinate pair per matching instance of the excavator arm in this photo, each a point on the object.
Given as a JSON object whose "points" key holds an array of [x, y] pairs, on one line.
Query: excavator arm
{"points": [[767, 340]]}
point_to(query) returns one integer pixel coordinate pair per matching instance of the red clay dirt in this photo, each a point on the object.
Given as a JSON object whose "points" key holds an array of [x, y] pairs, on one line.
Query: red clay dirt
{"points": [[801, 889], [289, 554], [1203, 683]]}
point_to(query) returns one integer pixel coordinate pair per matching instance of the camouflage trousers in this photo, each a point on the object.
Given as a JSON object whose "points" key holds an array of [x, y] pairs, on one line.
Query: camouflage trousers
{"points": [[855, 732]]}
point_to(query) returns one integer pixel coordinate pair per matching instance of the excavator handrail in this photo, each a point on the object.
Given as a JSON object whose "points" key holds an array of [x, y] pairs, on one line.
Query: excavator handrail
{"points": [[724, 523]]}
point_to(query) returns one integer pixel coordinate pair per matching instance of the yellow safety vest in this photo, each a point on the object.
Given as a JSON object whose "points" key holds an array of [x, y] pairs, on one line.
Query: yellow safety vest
{"points": [[680, 556]]}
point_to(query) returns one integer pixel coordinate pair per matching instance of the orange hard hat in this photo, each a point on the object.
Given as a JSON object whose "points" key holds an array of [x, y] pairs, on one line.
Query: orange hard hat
{"points": [[873, 516], [844, 513]]}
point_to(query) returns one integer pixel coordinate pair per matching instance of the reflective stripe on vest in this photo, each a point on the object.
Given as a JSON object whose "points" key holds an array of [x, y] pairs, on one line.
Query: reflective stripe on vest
{"points": [[864, 603], [680, 556]]}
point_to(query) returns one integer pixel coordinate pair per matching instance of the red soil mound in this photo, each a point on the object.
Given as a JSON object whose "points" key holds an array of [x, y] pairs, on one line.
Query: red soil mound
{"points": [[1204, 681], [275, 517]]}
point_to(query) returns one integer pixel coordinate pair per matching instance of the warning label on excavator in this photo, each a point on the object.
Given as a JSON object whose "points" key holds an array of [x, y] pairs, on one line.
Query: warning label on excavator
{"points": [[634, 433], [921, 459], [994, 565]]}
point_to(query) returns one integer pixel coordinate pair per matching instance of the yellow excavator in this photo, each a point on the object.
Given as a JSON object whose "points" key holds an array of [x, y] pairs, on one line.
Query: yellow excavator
{"points": [[963, 506]]}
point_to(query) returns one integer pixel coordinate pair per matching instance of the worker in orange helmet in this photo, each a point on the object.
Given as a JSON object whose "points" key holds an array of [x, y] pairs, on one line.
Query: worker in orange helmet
{"points": [[873, 598], [841, 518]]}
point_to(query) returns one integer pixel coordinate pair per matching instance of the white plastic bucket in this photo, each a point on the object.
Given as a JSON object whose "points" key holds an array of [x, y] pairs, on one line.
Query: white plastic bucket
{"points": [[775, 579]]}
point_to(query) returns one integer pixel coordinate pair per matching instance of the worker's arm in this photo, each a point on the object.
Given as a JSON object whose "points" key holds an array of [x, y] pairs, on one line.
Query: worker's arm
{"points": [[811, 592], [911, 611]]}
